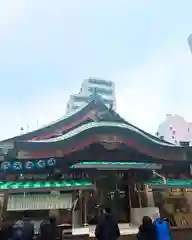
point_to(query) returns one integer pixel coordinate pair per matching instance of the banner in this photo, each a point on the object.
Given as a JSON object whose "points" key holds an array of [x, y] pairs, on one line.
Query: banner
{"points": [[39, 202]]}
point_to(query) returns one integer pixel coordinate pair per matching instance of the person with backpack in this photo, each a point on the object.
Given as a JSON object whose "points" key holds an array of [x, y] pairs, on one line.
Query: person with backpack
{"points": [[147, 230], [23, 229], [18, 230], [107, 228], [6, 229]]}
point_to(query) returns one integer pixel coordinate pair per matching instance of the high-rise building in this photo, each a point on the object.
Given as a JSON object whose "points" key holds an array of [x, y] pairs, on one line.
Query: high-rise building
{"points": [[175, 129], [105, 89], [190, 41]]}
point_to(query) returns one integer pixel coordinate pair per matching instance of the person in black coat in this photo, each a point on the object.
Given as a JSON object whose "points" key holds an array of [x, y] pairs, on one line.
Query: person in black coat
{"points": [[107, 228], [6, 230], [48, 229], [147, 230]]}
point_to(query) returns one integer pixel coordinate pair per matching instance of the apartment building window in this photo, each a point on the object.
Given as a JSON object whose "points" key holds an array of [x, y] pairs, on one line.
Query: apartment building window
{"points": [[100, 90], [80, 99], [101, 82]]}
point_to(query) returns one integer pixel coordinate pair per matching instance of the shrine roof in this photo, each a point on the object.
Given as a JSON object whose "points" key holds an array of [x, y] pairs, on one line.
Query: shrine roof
{"points": [[104, 132], [85, 117], [94, 123]]}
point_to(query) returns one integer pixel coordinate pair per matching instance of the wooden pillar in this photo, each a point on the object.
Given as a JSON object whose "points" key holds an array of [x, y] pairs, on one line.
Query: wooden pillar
{"points": [[85, 198], [188, 196], [4, 206], [134, 196], [149, 196], [2, 197]]}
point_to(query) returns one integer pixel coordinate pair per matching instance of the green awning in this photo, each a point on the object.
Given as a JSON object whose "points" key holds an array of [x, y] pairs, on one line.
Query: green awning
{"points": [[117, 165], [170, 183], [72, 184]]}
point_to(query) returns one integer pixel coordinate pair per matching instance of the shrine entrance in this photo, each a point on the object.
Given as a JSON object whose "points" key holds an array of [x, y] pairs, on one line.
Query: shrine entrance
{"points": [[117, 188]]}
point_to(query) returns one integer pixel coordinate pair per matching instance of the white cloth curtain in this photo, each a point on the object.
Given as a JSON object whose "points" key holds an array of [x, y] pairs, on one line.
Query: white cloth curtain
{"points": [[39, 202]]}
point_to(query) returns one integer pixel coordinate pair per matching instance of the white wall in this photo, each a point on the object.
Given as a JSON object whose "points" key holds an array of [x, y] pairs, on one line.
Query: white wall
{"points": [[175, 129], [190, 42]]}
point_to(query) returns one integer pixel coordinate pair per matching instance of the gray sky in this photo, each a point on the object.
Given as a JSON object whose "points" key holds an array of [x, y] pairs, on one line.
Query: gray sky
{"points": [[48, 47]]}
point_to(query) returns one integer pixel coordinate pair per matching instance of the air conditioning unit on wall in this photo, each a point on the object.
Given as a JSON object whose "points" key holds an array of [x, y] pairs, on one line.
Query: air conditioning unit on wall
{"points": [[184, 143]]}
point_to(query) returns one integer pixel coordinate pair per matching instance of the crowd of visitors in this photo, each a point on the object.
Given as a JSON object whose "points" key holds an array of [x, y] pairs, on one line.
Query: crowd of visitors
{"points": [[107, 228], [24, 229]]}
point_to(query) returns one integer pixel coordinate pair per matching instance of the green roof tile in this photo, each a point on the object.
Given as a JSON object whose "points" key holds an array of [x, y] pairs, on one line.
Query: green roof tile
{"points": [[171, 183], [43, 184], [125, 164]]}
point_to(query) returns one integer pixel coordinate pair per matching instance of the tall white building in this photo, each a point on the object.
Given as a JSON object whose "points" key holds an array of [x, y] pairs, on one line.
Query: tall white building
{"points": [[189, 40], [105, 89], [175, 129]]}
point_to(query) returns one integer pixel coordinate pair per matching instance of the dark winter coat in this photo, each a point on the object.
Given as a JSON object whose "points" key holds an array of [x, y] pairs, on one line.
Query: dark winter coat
{"points": [[23, 230], [107, 228], [47, 230], [147, 230], [6, 230]]}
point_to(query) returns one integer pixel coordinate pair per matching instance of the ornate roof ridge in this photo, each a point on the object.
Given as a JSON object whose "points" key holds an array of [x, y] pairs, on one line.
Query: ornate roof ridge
{"points": [[95, 124]]}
